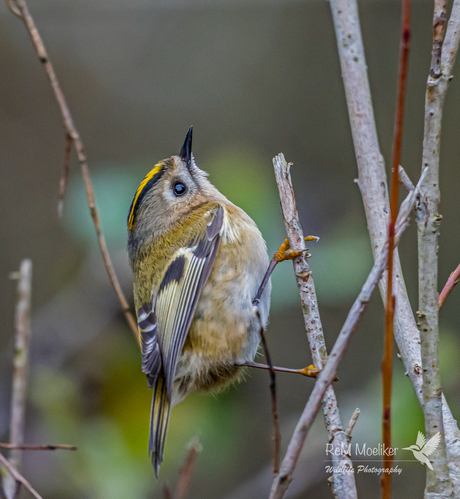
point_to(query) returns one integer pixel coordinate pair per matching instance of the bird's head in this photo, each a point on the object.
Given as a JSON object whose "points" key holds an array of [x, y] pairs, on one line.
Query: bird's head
{"points": [[169, 193]]}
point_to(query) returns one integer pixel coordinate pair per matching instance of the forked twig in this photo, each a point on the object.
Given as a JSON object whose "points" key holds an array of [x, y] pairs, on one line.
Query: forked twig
{"points": [[373, 186], [19, 8], [344, 483], [282, 481]]}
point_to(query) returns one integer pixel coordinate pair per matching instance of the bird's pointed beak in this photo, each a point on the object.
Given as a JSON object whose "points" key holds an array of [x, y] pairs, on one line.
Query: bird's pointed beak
{"points": [[186, 151], [406, 448]]}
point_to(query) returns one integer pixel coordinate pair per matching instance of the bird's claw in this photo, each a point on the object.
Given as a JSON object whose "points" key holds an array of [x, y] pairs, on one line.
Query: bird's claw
{"points": [[310, 372], [286, 253]]}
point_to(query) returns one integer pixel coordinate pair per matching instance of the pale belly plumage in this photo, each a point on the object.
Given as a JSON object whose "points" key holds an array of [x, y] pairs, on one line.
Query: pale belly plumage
{"points": [[225, 327]]}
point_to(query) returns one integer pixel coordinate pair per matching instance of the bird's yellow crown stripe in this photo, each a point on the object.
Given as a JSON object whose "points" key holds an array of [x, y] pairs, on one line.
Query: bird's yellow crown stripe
{"points": [[156, 169]]}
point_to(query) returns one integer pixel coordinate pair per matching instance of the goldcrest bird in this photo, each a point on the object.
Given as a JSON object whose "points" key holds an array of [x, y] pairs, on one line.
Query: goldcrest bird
{"points": [[198, 261]]}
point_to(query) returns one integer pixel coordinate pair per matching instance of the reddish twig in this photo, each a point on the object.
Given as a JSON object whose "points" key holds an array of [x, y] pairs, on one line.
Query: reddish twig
{"points": [[449, 286], [387, 363], [19, 7], [19, 478], [186, 472], [166, 492], [276, 424], [37, 447]]}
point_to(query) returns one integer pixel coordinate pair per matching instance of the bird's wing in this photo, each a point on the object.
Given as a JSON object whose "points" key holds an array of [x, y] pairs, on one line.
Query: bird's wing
{"points": [[173, 307], [420, 440], [151, 355], [432, 444]]}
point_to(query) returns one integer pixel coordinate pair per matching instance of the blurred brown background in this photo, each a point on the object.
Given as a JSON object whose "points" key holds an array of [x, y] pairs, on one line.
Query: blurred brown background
{"points": [[254, 77]]}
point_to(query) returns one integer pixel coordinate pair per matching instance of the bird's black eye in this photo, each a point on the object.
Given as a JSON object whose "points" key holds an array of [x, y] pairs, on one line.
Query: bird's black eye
{"points": [[179, 188]]}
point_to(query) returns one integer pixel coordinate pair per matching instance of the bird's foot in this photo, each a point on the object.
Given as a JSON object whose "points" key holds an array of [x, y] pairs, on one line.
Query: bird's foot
{"points": [[286, 253]]}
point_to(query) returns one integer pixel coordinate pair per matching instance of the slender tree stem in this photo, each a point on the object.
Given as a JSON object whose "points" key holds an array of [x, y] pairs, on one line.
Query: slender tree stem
{"points": [[373, 187], [438, 483], [20, 362]]}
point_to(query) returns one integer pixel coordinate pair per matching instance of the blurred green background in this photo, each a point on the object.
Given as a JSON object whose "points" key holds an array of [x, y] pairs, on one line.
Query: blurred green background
{"points": [[254, 77]]}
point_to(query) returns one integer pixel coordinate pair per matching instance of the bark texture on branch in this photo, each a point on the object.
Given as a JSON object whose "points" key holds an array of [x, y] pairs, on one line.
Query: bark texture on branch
{"points": [[438, 484], [344, 483], [373, 186], [20, 361]]}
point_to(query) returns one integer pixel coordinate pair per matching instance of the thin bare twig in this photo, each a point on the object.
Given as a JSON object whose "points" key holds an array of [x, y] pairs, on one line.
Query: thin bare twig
{"points": [[20, 360], [405, 180], [37, 447], [326, 376], [186, 472], [449, 286], [19, 7], [309, 372], [276, 424], [387, 363], [373, 187], [353, 421], [344, 483], [19, 478]]}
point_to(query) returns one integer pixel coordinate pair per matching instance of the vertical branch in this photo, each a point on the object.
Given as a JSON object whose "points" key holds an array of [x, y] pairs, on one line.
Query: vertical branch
{"points": [[326, 376], [19, 7], [344, 483], [373, 187], [20, 359], [387, 364], [438, 483]]}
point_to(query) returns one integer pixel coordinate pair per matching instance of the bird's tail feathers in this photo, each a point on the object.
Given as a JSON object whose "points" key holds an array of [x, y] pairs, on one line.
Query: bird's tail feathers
{"points": [[159, 419]]}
